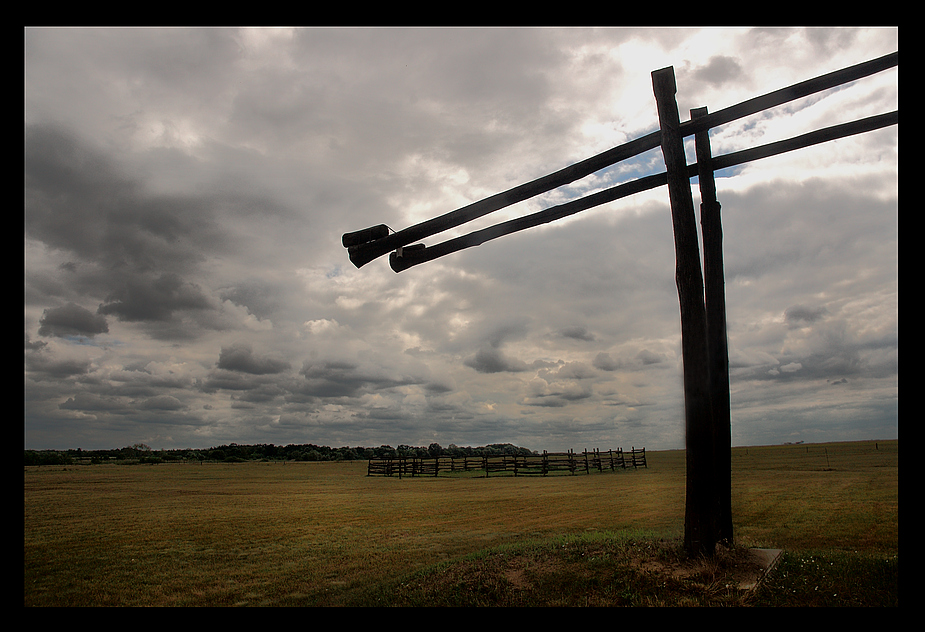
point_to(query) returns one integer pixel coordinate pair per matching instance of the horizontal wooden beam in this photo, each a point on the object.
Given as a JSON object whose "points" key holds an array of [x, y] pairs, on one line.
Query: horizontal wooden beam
{"points": [[823, 135], [408, 257], [790, 93], [362, 252]]}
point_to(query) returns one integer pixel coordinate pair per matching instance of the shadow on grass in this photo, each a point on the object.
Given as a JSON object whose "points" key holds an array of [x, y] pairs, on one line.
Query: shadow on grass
{"points": [[631, 570]]}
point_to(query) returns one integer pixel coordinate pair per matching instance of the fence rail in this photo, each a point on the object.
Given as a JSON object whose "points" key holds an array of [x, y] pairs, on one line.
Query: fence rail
{"points": [[518, 464]]}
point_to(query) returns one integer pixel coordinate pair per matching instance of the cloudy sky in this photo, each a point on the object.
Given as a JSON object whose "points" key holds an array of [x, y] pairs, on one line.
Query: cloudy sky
{"points": [[186, 191]]}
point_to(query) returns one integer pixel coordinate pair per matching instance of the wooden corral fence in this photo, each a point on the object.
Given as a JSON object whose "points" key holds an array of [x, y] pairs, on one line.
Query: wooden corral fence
{"points": [[520, 464]]}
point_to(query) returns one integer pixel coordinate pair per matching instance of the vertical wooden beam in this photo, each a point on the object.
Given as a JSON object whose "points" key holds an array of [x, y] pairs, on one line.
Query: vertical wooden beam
{"points": [[700, 511], [715, 298]]}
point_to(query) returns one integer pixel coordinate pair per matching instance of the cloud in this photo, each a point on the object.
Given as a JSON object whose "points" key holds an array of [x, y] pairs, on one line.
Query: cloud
{"points": [[492, 360], [154, 299], [242, 359], [71, 320], [91, 403], [44, 366], [162, 402], [82, 202], [186, 191], [571, 371], [344, 379], [718, 70], [801, 315], [605, 362], [577, 332]]}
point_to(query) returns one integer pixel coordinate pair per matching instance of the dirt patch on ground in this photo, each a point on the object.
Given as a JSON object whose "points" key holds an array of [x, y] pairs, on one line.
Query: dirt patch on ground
{"points": [[736, 567], [581, 574]]}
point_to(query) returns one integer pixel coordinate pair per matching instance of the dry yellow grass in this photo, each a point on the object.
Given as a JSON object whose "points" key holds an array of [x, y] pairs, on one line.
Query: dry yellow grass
{"points": [[309, 533]]}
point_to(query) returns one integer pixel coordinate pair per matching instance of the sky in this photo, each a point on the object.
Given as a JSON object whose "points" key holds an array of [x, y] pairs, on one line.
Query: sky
{"points": [[186, 190]]}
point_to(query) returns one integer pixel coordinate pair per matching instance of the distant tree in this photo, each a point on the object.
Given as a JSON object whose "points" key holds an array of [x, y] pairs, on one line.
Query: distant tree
{"points": [[142, 453], [47, 457], [385, 452]]}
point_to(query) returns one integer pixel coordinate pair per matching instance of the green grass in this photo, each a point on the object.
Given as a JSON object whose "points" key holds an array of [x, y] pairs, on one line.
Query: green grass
{"points": [[322, 534], [831, 578]]}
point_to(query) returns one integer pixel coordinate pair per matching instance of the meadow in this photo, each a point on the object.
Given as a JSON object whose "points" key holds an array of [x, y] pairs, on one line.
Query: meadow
{"points": [[325, 534]]}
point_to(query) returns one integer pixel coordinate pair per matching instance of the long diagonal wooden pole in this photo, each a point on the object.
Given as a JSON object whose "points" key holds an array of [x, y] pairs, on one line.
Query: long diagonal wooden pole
{"points": [[701, 507], [420, 254], [368, 244]]}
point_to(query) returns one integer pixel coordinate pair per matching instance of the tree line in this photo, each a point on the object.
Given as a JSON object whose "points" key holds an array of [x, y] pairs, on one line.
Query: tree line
{"points": [[236, 453]]}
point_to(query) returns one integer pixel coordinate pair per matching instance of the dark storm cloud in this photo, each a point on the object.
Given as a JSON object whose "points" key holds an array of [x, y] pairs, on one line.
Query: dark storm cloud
{"points": [[605, 362], [71, 320], [545, 401], [243, 359], [162, 402], [799, 315], [138, 253], [492, 360], [718, 70], [577, 332], [249, 378], [339, 379], [79, 202], [437, 387], [154, 298], [231, 381], [43, 365]]}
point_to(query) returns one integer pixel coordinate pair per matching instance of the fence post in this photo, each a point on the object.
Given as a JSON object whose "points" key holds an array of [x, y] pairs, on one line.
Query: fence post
{"points": [[711, 226], [699, 519]]}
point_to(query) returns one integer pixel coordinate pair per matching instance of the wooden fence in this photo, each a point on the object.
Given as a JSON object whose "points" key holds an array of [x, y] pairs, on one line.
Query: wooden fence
{"points": [[520, 464]]}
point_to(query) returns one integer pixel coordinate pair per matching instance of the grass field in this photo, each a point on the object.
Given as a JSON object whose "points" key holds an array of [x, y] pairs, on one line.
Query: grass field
{"points": [[325, 534]]}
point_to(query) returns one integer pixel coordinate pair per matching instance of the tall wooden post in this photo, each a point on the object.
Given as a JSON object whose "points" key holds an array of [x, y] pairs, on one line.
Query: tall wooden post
{"points": [[715, 298], [700, 512]]}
